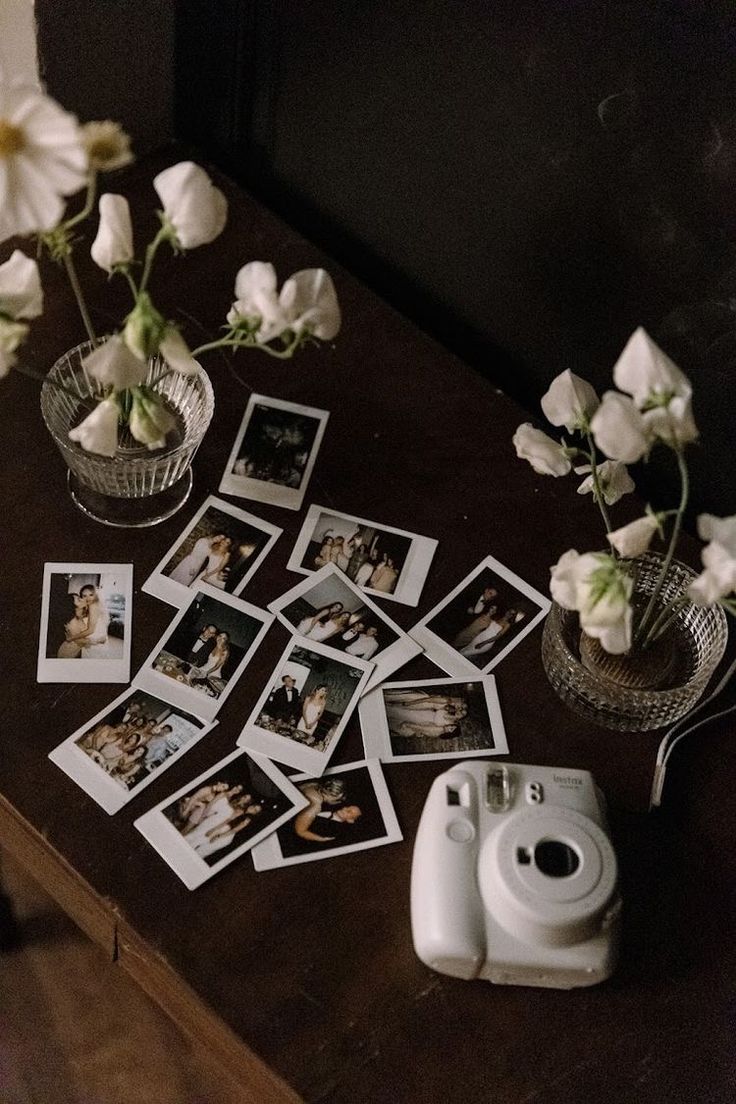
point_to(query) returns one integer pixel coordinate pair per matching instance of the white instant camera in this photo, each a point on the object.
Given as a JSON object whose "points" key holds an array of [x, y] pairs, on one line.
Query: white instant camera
{"points": [[514, 878]]}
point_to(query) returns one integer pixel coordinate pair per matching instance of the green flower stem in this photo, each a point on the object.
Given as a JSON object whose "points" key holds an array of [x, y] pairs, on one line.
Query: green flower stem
{"points": [[164, 234], [88, 203], [240, 343], [684, 493], [597, 489], [131, 282], [33, 373], [667, 617], [78, 295]]}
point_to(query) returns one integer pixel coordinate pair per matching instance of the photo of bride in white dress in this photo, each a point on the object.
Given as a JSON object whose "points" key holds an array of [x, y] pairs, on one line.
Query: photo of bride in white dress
{"points": [[86, 617]]}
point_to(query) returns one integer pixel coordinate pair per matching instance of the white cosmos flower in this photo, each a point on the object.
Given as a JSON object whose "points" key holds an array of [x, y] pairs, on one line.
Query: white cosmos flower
{"points": [[546, 456], [310, 302], [619, 429], [20, 287], [257, 304], [175, 351], [195, 208], [597, 586], [99, 430], [613, 478], [114, 242], [42, 159], [11, 336], [570, 401], [719, 560], [113, 365], [107, 145], [633, 539]]}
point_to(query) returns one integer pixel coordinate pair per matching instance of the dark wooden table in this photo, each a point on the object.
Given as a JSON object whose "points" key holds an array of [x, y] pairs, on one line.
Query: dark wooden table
{"points": [[303, 981]]}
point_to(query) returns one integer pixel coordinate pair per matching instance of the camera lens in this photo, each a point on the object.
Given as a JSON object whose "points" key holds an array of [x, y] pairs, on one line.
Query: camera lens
{"points": [[555, 859]]}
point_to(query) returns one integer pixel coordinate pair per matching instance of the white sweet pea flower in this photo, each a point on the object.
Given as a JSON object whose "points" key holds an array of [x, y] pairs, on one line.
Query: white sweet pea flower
{"points": [[645, 372], [613, 478], [719, 560], [597, 586], [633, 539], [114, 242], [149, 420], [673, 424], [99, 430], [546, 456], [257, 306], [194, 208], [175, 351], [618, 428], [113, 365], [12, 334], [570, 402], [42, 159], [20, 287], [310, 302]]}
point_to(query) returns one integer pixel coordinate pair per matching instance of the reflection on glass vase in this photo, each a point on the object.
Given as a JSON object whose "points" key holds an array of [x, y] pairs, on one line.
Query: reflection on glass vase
{"points": [[645, 689], [136, 487]]}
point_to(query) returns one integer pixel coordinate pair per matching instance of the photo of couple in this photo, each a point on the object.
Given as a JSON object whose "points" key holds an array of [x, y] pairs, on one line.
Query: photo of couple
{"points": [[349, 810], [136, 737], [276, 445], [207, 645], [449, 718], [482, 616], [371, 557], [219, 550], [223, 812], [86, 617]]}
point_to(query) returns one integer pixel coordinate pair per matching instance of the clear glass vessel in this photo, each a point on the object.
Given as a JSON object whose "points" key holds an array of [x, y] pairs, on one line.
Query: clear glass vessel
{"points": [[698, 640], [136, 487]]}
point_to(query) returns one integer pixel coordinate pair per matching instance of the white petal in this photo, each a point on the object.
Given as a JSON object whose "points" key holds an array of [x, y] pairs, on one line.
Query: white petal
{"points": [[113, 244], [618, 428], [644, 370], [113, 365], [546, 456], [673, 424], [570, 401], [21, 295], [175, 351], [99, 430], [255, 277], [310, 302], [722, 530], [195, 207], [634, 539]]}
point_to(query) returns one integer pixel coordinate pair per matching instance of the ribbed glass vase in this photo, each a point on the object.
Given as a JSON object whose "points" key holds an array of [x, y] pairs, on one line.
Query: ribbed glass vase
{"points": [[136, 487], [605, 692]]}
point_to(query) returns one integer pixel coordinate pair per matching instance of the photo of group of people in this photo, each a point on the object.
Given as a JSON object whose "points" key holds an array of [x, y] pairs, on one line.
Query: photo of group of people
{"points": [[85, 617], [348, 810], [123, 747], [306, 705], [221, 547], [204, 651], [274, 452], [389, 562], [434, 719], [220, 815], [481, 620]]}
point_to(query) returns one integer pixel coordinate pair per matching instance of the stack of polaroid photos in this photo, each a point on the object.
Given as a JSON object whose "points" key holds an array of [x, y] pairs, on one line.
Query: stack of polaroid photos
{"points": [[342, 652]]}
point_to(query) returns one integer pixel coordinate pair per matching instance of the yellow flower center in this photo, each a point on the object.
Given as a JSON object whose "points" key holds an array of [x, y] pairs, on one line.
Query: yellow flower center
{"points": [[103, 149], [12, 139]]}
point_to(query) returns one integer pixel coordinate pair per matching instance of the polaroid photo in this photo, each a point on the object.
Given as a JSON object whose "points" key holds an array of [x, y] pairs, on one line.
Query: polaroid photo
{"points": [[274, 452], [391, 563], [223, 813], [349, 810], [86, 616], [204, 651], [329, 607], [306, 704], [126, 745], [481, 620], [450, 718], [222, 546]]}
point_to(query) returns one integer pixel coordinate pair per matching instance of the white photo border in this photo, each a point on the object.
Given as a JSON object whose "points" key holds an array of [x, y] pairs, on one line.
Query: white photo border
{"points": [[282, 748], [173, 848], [388, 659], [49, 669], [268, 855], [377, 736], [413, 574], [93, 779], [259, 490], [447, 657], [176, 594], [192, 701]]}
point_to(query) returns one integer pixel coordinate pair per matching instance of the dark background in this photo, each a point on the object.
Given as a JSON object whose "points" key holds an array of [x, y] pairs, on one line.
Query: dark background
{"points": [[530, 181]]}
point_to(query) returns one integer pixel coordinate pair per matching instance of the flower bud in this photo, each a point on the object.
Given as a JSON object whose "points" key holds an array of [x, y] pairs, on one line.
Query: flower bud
{"points": [[20, 287], [11, 336], [149, 420], [114, 242], [546, 456], [144, 328], [569, 402]]}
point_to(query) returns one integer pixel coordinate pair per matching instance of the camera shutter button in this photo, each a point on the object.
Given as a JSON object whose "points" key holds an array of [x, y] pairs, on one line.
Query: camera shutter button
{"points": [[461, 831]]}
